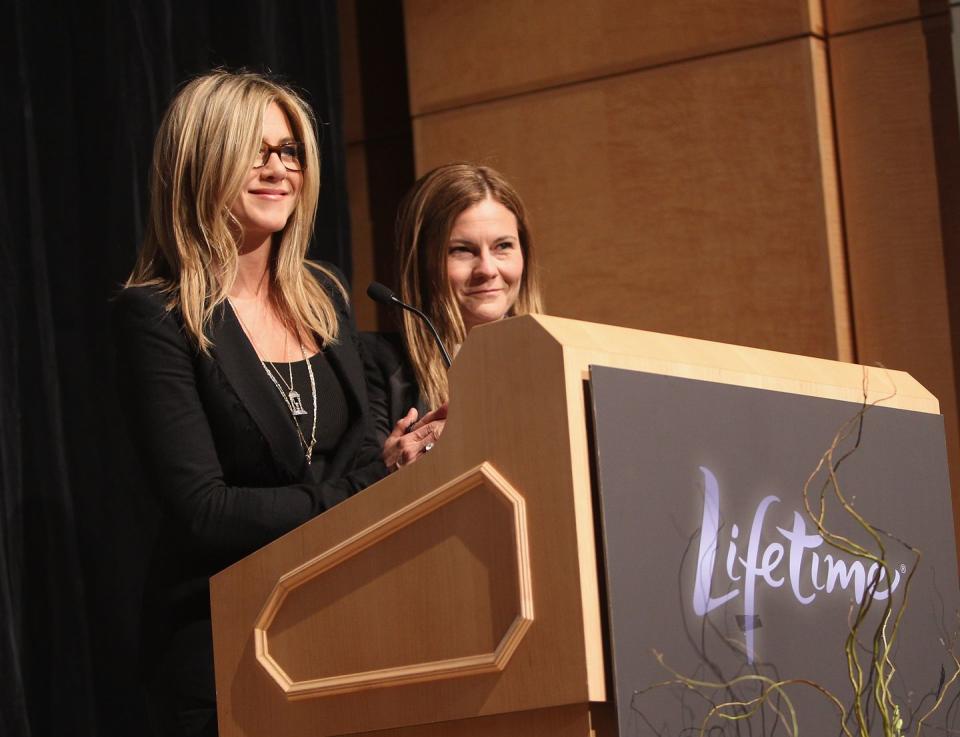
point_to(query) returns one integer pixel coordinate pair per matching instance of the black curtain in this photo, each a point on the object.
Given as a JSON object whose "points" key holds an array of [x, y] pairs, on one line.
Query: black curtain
{"points": [[84, 85]]}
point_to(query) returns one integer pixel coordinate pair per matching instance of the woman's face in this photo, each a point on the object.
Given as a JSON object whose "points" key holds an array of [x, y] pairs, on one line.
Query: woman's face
{"points": [[484, 262], [270, 191]]}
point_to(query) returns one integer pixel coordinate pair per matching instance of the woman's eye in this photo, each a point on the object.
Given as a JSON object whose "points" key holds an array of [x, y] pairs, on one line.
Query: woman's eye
{"points": [[454, 250], [505, 245]]}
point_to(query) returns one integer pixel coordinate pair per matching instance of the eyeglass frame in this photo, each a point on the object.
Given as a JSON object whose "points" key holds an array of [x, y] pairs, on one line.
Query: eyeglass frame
{"points": [[278, 149]]}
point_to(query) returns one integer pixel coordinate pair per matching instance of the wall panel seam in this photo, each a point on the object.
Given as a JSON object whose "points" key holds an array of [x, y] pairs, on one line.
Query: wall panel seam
{"points": [[851, 325], [892, 23], [465, 104]]}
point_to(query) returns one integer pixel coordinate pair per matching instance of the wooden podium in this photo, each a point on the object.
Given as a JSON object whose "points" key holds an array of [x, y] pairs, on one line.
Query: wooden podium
{"points": [[461, 595]]}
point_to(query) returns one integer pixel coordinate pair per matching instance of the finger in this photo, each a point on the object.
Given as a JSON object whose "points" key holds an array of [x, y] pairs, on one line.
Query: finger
{"points": [[410, 446], [430, 433], [440, 413], [429, 439], [411, 454], [413, 444], [404, 424], [419, 435]]}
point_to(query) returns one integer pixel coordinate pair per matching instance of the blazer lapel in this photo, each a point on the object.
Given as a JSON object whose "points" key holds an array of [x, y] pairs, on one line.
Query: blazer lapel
{"points": [[241, 365], [344, 358], [346, 362]]}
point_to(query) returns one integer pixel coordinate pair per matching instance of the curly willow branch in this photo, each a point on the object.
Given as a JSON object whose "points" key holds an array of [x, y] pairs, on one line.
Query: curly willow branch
{"points": [[750, 707]]}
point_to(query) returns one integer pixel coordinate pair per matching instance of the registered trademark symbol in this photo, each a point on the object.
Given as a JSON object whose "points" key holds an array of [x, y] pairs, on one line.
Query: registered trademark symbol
{"points": [[903, 568]]}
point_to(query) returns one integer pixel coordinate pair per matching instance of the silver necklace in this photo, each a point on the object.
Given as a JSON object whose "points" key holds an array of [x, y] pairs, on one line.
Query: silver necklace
{"points": [[291, 398]]}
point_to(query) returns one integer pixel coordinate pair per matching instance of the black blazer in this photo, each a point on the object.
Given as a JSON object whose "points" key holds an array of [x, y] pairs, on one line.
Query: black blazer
{"points": [[220, 449], [393, 384]]}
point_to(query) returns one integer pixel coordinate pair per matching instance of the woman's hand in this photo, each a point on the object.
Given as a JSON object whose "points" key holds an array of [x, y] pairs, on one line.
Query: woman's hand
{"points": [[411, 438]]}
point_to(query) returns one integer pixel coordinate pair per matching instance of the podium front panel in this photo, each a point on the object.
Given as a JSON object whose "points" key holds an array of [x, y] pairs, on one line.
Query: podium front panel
{"points": [[719, 582]]}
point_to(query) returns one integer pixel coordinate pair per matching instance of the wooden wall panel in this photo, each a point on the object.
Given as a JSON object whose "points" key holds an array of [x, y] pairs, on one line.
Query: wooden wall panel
{"points": [[462, 52], [689, 199], [843, 16], [897, 239]]}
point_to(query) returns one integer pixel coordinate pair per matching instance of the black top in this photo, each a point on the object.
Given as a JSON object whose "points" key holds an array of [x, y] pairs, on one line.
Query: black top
{"points": [[334, 416], [220, 450]]}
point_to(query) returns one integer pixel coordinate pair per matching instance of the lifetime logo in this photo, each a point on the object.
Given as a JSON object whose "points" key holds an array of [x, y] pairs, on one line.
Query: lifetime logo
{"points": [[827, 573]]}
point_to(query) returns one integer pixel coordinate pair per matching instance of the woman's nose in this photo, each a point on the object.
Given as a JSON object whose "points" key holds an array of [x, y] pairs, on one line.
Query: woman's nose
{"points": [[274, 168], [485, 266]]}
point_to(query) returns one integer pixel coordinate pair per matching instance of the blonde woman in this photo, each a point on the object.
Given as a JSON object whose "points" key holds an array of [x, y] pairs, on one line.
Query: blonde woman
{"points": [[466, 258], [239, 363]]}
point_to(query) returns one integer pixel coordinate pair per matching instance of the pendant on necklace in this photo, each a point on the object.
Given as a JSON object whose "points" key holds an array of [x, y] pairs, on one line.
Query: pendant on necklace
{"points": [[296, 406]]}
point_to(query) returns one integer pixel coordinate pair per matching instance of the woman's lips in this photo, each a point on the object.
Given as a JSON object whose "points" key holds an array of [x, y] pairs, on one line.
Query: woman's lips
{"points": [[270, 194], [483, 292]]}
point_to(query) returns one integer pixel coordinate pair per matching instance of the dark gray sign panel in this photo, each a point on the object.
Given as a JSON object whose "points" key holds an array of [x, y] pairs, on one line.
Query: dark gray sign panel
{"points": [[712, 561]]}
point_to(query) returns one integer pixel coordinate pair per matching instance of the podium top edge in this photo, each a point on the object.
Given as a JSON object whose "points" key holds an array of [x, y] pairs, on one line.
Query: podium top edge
{"points": [[734, 364]]}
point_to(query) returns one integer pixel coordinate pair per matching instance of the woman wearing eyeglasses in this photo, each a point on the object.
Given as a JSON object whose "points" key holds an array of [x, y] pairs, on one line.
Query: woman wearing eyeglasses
{"points": [[238, 360]]}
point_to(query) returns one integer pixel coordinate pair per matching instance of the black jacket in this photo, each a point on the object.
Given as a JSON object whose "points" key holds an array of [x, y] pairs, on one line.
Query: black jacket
{"points": [[220, 449], [393, 384]]}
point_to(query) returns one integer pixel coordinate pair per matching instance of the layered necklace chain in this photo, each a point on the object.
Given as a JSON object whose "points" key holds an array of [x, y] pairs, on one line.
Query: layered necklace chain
{"points": [[291, 397]]}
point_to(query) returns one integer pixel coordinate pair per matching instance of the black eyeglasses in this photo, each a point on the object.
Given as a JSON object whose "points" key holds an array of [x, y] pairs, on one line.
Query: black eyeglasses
{"points": [[291, 156]]}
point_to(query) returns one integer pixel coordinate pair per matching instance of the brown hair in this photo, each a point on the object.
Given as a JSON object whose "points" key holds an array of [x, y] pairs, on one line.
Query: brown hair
{"points": [[204, 149], [424, 222]]}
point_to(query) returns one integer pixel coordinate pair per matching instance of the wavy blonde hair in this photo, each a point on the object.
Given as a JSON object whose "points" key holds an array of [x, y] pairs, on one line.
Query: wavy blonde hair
{"points": [[424, 223], [203, 153]]}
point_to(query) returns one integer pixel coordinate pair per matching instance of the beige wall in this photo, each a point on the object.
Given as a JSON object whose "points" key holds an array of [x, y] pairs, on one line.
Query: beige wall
{"points": [[663, 200], [676, 157], [496, 48], [895, 120], [775, 173]]}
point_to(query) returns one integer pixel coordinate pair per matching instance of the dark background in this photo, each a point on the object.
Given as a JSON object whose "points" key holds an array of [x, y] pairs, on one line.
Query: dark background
{"points": [[84, 86]]}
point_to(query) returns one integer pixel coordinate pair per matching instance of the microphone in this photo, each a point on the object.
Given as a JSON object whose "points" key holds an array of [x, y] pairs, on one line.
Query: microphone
{"points": [[384, 295]]}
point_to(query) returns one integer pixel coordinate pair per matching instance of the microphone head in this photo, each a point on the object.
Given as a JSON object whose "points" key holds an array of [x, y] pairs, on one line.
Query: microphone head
{"points": [[380, 293]]}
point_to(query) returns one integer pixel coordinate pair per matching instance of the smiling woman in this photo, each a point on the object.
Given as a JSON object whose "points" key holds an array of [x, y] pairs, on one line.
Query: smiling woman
{"points": [[270, 192], [466, 258], [484, 262], [239, 359]]}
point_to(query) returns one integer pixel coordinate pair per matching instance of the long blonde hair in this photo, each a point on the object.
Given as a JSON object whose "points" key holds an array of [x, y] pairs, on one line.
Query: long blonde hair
{"points": [[204, 149], [424, 222]]}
